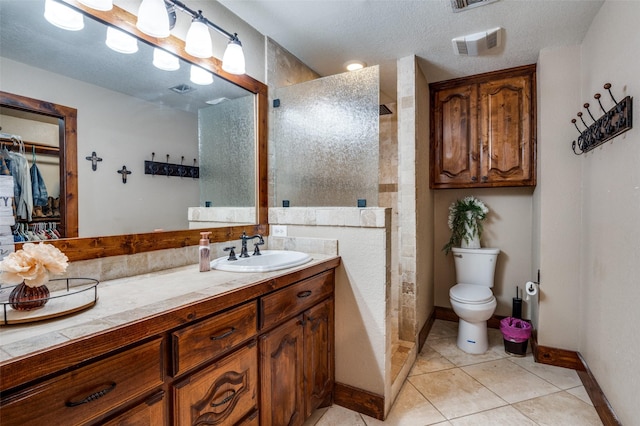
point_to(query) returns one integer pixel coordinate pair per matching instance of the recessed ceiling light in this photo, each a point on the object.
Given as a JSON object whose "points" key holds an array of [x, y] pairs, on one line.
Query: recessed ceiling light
{"points": [[354, 65]]}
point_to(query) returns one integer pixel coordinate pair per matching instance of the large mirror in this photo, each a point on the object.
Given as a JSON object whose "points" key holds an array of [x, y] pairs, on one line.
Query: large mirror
{"points": [[137, 118]]}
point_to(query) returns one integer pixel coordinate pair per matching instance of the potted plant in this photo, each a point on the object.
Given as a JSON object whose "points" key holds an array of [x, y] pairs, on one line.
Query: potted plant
{"points": [[465, 223]]}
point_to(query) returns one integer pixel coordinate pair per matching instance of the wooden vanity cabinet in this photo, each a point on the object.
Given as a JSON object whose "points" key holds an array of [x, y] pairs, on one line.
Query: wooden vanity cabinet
{"points": [[296, 357], [262, 355], [483, 130]]}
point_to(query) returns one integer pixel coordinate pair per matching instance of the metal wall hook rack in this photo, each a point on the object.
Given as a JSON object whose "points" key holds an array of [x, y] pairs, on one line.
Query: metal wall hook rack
{"points": [[171, 169], [612, 123]]}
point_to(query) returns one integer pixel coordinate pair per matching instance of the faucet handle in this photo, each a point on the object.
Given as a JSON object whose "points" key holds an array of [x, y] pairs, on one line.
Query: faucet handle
{"points": [[232, 254], [256, 249]]}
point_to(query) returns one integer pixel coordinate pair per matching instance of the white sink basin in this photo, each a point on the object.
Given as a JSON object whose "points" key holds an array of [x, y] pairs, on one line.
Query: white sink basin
{"points": [[269, 260]]}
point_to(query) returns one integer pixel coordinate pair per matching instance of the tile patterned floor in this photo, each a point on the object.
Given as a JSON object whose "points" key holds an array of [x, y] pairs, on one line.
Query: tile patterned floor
{"points": [[446, 386]]}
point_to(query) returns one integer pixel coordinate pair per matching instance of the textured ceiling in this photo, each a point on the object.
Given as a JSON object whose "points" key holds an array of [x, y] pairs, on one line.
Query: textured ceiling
{"points": [[325, 34]]}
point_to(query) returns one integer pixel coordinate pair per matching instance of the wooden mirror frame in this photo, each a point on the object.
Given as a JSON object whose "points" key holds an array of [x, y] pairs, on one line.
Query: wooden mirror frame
{"points": [[96, 247]]}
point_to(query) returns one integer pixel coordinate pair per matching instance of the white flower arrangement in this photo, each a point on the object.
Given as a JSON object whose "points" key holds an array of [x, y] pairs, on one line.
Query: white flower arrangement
{"points": [[465, 220], [33, 264]]}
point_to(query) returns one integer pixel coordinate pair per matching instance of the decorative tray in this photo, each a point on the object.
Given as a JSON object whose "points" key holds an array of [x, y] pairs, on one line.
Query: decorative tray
{"points": [[67, 295]]}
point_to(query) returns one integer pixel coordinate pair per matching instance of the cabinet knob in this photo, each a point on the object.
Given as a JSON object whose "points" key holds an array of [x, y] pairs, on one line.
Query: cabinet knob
{"points": [[485, 178], [474, 178]]}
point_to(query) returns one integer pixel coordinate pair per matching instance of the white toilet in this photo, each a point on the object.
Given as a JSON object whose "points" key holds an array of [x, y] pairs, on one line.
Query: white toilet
{"points": [[471, 298]]}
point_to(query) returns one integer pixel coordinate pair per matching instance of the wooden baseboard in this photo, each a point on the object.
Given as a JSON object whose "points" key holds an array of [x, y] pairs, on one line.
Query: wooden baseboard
{"points": [[359, 400], [424, 331], [600, 402], [554, 356]]}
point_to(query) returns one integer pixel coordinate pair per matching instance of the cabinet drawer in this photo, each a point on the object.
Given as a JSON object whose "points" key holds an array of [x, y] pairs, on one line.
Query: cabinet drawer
{"points": [[205, 340], [291, 300], [222, 393], [149, 413], [88, 392]]}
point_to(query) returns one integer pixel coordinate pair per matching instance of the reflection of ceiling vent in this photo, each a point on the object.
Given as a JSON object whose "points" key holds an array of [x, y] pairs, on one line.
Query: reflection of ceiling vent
{"points": [[478, 43], [460, 5], [384, 110], [182, 89]]}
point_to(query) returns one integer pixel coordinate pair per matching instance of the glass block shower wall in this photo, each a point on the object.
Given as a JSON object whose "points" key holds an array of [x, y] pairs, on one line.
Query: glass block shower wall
{"points": [[325, 139], [227, 144]]}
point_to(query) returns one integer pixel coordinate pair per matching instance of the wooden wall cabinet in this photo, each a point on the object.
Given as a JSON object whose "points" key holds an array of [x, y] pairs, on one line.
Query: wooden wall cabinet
{"points": [[261, 355], [483, 130]]}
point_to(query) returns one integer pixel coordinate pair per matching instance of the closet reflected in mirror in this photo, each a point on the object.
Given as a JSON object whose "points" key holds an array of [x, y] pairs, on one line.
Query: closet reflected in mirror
{"points": [[35, 136]]}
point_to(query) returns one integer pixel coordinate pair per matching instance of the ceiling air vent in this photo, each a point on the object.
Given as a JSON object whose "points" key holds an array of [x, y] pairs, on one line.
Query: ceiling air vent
{"points": [[460, 5], [182, 89], [478, 43]]}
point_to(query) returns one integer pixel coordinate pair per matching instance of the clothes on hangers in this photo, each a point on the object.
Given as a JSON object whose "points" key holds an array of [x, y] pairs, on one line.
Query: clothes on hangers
{"points": [[23, 195], [38, 187]]}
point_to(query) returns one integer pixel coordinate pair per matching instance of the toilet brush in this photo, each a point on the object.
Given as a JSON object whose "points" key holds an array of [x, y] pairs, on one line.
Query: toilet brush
{"points": [[516, 310]]}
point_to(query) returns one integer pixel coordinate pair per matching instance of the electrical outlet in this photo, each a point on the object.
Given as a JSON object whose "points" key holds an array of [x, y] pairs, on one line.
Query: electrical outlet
{"points": [[278, 230]]}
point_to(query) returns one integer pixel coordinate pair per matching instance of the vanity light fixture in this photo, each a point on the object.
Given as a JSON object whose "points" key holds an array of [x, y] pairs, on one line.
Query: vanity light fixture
{"points": [[153, 18], [63, 16], [233, 59], [200, 76], [120, 41], [98, 4], [198, 42], [164, 60], [354, 65]]}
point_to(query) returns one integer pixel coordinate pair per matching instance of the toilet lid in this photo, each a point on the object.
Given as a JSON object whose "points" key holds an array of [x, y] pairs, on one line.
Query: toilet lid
{"points": [[470, 293]]}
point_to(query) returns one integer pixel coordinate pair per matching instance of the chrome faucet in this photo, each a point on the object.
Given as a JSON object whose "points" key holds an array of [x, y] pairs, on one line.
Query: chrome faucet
{"points": [[256, 251]]}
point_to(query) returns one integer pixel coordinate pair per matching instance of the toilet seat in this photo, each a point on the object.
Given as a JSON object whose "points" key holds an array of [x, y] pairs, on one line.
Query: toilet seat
{"points": [[471, 294]]}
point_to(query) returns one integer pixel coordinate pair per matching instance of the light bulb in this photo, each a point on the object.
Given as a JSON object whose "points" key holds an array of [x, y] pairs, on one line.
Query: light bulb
{"points": [[198, 42], [233, 58], [153, 18], [200, 76], [120, 41], [165, 60], [63, 16]]}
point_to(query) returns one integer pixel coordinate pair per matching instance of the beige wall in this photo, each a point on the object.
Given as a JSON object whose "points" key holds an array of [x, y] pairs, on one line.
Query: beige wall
{"points": [[558, 199], [588, 208], [610, 235], [507, 227]]}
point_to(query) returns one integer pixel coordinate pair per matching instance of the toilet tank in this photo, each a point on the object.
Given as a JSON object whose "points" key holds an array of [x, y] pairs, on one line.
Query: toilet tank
{"points": [[475, 266]]}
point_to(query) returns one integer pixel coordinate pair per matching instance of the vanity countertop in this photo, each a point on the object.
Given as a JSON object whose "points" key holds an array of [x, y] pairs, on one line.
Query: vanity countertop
{"points": [[138, 306]]}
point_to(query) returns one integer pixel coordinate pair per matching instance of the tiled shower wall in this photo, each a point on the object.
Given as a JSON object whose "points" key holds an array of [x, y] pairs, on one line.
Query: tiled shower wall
{"points": [[388, 197]]}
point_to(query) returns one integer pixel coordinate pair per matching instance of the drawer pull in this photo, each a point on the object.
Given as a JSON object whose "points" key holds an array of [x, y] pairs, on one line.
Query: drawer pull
{"points": [[304, 294], [225, 400], [225, 334], [94, 396]]}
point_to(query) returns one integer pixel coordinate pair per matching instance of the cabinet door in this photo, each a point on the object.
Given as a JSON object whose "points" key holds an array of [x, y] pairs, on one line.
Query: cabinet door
{"points": [[281, 375], [319, 367], [506, 131], [220, 394], [454, 148]]}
